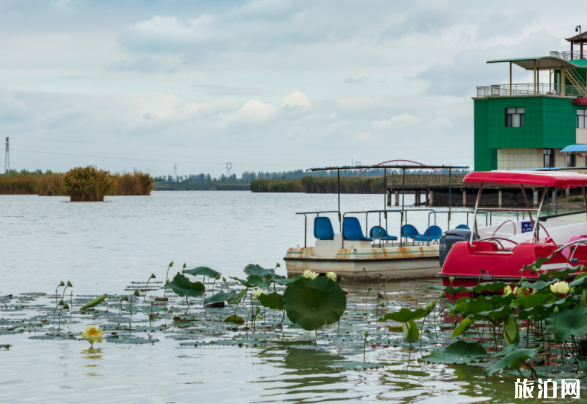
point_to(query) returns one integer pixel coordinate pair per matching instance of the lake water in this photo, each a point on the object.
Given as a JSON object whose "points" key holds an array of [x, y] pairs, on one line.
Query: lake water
{"points": [[103, 247]]}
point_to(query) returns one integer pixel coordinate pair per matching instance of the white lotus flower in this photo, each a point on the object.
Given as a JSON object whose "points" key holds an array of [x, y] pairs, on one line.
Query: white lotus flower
{"points": [[309, 274], [258, 292], [331, 275]]}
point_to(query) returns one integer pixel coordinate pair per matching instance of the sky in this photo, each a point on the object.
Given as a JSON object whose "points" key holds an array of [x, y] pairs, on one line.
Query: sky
{"points": [[268, 85]]}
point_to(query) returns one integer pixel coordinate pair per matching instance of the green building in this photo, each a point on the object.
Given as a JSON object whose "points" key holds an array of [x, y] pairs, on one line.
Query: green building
{"points": [[538, 124]]}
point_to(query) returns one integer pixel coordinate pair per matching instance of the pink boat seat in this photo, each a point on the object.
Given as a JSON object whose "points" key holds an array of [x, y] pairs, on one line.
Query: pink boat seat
{"points": [[567, 251]]}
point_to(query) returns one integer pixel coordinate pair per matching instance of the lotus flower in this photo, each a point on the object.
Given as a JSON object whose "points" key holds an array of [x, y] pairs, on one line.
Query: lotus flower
{"points": [[560, 288], [507, 290], [331, 275], [309, 274], [258, 292], [93, 334]]}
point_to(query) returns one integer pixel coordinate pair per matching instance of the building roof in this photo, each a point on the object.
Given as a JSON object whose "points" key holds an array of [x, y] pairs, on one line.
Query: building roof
{"points": [[563, 180], [582, 37], [575, 148], [542, 63]]}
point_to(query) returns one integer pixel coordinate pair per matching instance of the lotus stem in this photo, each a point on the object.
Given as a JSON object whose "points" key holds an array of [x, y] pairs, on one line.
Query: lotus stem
{"points": [[167, 277]]}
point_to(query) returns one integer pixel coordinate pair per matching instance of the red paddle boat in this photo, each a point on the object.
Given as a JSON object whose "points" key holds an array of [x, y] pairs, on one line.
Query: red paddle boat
{"points": [[499, 253]]}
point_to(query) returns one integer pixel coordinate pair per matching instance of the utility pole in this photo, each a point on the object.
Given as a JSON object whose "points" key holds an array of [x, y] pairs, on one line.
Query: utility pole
{"points": [[175, 172], [7, 156], [228, 168]]}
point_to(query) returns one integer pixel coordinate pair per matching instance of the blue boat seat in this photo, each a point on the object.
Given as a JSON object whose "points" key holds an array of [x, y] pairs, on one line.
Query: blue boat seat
{"points": [[431, 233], [379, 233], [352, 230], [463, 226], [323, 228], [409, 231]]}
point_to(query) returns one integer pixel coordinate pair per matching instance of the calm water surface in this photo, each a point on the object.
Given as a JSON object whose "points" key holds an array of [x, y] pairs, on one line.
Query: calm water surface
{"points": [[102, 247]]}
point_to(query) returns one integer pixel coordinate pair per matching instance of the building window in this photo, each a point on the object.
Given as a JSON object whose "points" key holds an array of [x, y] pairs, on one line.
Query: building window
{"points": [[514, 117], [581, 118], [570, 160], [548, 158]]}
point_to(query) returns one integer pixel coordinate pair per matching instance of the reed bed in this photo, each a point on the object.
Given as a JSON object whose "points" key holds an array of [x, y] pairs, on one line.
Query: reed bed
{"points": [[322, 185], [50, 184]]}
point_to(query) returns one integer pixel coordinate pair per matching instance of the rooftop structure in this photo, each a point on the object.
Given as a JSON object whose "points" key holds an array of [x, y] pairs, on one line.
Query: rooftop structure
{"points": [[529, 125]]}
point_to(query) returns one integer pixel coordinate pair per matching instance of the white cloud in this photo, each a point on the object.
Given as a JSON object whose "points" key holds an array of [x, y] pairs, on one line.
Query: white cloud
{"points": [[397, 122], [296, 99], [253, 112]]}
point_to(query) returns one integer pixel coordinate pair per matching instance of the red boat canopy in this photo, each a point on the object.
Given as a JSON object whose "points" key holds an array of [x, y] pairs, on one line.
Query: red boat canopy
{"points": [[531, 178]]}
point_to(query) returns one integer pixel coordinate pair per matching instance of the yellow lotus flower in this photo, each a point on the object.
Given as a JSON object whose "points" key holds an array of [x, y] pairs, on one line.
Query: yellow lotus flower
{"points": [[561, 288], [93, 334], [331, 275], [507, 290], [258, 292], [309, 274]]}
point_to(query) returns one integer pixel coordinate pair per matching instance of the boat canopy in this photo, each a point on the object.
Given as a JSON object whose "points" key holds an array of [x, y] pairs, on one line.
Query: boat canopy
{"points": [[556, 179]]}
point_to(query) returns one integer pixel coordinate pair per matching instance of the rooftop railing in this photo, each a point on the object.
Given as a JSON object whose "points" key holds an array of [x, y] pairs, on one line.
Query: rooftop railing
{"points": [[524, 89], [568, 55]]}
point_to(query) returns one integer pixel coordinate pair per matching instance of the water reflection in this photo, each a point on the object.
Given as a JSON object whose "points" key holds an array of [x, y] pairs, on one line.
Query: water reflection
{"points": [[91, 356]]}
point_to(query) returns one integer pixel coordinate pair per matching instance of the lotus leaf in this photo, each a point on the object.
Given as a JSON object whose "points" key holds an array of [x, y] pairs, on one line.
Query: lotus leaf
{"points": [[282, 280], [411, 332], [529, 301], [404, 315], [253, 269], [511, 332], [463, 326], [489, 287], [94, 302], [272, 301], [238, 297], [560, 274], [513, 360], [538, 264], [503, 311], [568, 322], [184, 287], [457, 353], [256, 281], [221, 297], [538, 285], [312, 303], [204, 271], [579, 280]]}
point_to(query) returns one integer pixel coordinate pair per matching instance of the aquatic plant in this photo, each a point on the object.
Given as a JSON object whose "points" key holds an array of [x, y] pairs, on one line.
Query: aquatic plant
{"points": [[147, 286], [87, 184], [331, 275], [167, 277], [309, 274], [94, 302], [93, 334], [184, 287]]}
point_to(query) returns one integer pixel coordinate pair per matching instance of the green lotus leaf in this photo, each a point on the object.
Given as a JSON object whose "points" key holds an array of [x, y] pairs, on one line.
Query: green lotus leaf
{"points": [[312, 303], [204, 271], [489, 287], [457, 353], [404, 315], [253, 269], [503, 311], [283, 281], [234, 319], [184, 287], [463, 326], [560, 274], [221, 297], [539, 284], [411, 332], [237, 298], [257, 281], [511, 332], [579, 280], [568, 322], [94, 302], [272, 301], [513, 360], [529, 301], [538, 264], [451, 290], [536, 313]]}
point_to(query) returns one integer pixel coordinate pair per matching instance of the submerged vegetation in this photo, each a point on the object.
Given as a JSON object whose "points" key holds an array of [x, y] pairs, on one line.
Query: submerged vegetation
{"points": [[79, 180], [322, 185]]}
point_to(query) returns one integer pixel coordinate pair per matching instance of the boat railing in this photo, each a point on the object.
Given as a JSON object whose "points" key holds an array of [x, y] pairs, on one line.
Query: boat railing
{"points": [[517, 210], [317, 213]]}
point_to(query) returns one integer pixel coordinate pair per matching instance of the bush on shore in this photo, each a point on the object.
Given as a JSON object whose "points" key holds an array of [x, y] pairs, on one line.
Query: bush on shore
{"points": [[87, 184], [322, 185]]}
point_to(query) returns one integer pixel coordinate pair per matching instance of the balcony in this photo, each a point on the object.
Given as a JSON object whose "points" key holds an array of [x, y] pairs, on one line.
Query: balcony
{"points": [[568, 55], [528, 89]]}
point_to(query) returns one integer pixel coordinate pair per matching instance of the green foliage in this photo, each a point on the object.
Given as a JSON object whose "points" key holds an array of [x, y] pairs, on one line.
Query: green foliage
{"points": [[513, 360], [411, 332], [568, 322], [234, 319], [311, 184], [184, 287], [462, 327], [511, 332], [94, 302], [204, 271], [313, 303], [457, 353], [272, 301], [221, 297]]}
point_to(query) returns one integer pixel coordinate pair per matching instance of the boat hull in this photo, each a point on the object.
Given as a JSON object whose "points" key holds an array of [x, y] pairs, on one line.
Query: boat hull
{"points": [[392, 269]]}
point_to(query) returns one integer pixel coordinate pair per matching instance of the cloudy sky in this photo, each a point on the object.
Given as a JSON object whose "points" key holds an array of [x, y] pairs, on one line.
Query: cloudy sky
{"points": [[268, 85]]}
